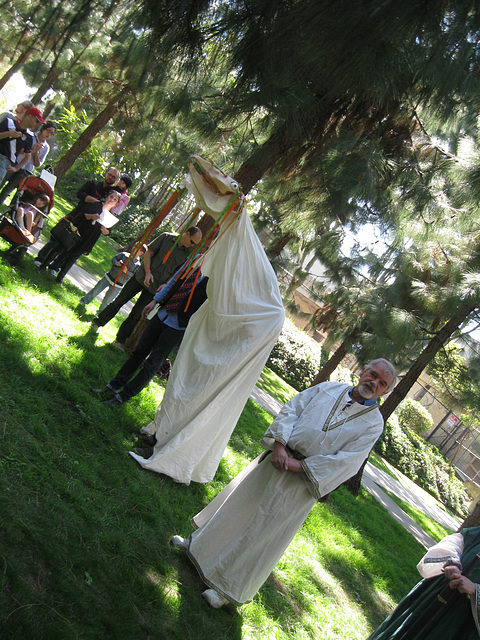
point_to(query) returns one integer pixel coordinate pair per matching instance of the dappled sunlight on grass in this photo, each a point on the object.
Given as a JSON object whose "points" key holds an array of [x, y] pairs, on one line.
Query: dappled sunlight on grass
{"points": [[168, 588], [275, 386], [85, 530]]}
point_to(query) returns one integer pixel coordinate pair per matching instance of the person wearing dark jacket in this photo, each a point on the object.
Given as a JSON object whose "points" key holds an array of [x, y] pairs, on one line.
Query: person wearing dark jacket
{"points": [[162, 335], [88, 229], [163, 257]]}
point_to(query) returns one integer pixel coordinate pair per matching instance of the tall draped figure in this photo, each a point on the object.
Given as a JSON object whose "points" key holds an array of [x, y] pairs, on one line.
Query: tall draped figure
{"points": [[226, 344]]}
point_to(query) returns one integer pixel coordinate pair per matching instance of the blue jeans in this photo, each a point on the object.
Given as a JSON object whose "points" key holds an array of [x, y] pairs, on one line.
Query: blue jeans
{"points": [[4, 164], [102, 284]]}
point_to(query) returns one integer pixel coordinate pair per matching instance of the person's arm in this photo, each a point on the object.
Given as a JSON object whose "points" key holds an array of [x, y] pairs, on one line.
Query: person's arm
{"points": [[146, 264], [119, 259], [449, 549], [39, 153], [20, 164], [327, 471], [89, 198], [10, 134], [83, 193], [148, 308], [165, 290], [459, 581], [281, 428], [464, 585], [8, 129]]}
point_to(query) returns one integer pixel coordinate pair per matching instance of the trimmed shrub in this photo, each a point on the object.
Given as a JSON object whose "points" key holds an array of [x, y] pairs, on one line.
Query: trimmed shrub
{"points": [[412, 414], [422, 463], [296, 357], [342, 374]]}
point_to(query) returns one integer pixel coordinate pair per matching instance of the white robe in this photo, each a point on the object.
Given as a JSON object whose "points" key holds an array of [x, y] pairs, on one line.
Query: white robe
{"points": [[223, 352], [246, 528]]}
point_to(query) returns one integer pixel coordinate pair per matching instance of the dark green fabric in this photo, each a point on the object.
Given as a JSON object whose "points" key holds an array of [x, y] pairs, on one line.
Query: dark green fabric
{"points": [[455, 620]]}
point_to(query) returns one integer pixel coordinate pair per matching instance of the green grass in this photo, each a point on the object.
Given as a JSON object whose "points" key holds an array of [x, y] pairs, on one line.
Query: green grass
{"points": [[275, 386], [382, 464], [84, 548]]}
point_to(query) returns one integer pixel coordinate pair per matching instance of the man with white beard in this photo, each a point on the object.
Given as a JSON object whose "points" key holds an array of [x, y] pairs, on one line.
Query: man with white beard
{"points": [[318, 441]]}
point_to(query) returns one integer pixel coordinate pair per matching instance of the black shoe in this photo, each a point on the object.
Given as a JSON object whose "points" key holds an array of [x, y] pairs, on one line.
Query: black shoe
{"points": [[116, 401], [81, 310], [144, 452], [104, 392], [150, 441]]}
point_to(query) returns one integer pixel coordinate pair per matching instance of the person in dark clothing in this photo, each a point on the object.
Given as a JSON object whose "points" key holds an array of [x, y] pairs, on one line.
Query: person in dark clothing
{"points": [[163, 334], [89, 229], [153, 273], [96, 190], [93, 192]]}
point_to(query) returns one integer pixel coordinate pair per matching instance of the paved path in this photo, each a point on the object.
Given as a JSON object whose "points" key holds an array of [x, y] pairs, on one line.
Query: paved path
{"points": [[374, 480]]}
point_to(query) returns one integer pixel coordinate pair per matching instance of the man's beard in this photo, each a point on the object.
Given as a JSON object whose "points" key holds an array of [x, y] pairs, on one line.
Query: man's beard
{"points": [[365, 390]]}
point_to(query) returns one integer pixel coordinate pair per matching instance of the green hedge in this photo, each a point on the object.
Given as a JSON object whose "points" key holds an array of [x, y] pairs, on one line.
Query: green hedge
{"points": [[296, 357], [413, 415], [422, 463]]}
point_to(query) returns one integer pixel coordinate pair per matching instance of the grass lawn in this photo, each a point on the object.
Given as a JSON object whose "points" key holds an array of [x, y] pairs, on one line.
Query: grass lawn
{"points": [[84, 547], [275, 386]]}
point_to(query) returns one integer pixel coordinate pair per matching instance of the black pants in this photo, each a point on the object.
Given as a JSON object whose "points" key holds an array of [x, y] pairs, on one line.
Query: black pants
{"points": [[130, 289], [65, 260], [49, 252], [11, 182], [155, 344]]}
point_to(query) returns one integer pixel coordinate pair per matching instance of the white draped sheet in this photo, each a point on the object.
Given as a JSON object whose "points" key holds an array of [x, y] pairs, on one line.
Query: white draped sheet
{"points": [[223, 352]]}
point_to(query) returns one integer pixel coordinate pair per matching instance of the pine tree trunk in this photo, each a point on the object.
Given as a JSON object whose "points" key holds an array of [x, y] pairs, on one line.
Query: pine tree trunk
{"points": [[14, 68], [276, 247], [473, 518], [354, 483], [47, 84], [262, 160], [329, 367], [299, 278], [48, 109], [83, 141], [426, 356]]}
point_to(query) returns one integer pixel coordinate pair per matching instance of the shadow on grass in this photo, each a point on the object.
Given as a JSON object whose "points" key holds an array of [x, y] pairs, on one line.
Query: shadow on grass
{"points": [[355, 579], [84, 546]]}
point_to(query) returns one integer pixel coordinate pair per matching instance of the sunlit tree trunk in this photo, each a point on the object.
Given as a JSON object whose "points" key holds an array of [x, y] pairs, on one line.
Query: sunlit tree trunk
{"points": [[426, 356], [84, 140]]}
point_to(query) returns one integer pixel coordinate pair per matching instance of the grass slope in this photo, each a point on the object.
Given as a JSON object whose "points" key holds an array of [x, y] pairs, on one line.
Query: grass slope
{"points": [[84, 547]]}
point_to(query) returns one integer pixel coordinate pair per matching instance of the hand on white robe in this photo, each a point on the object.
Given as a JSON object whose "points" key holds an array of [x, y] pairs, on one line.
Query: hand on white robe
{"points": [[282, 461]]}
